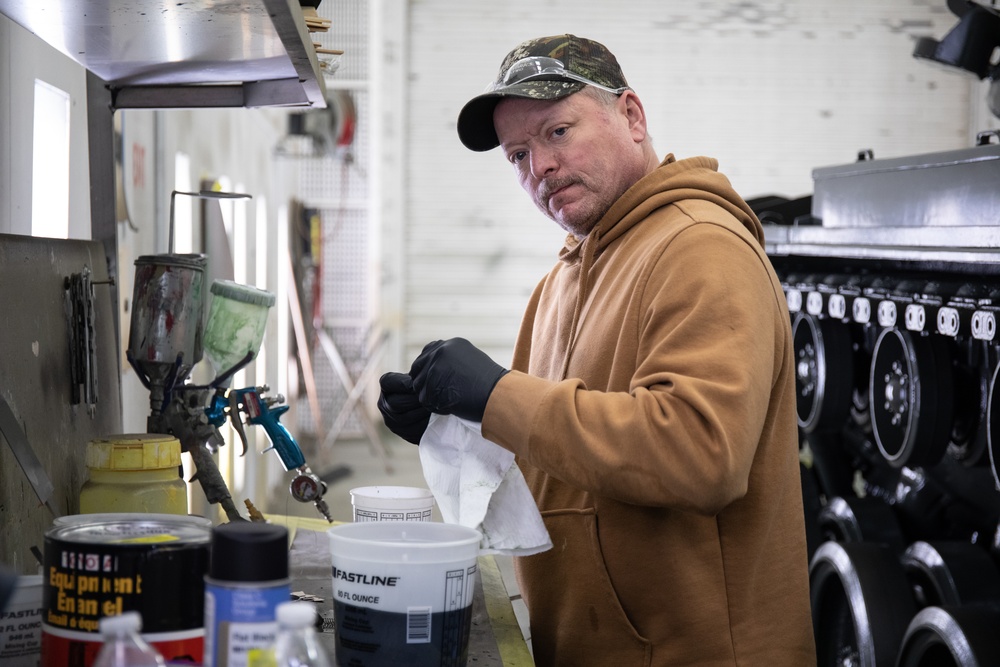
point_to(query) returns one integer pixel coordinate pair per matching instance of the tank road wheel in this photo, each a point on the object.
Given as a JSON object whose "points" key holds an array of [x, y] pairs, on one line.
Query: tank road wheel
{"points": [[950, 573], [823, 370], [952, 637], [861, 520], [993, 426], [910, 389], [861, 604]]}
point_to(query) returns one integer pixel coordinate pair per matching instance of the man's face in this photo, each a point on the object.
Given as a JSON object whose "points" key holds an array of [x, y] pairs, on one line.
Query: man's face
{"points": [[574, 156]]}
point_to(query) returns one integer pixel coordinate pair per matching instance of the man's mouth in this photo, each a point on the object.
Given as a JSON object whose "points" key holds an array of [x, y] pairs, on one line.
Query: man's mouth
{"points": [[551, 193]]}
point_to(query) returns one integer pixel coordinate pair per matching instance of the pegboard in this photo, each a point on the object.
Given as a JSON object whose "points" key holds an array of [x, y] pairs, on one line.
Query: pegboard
{"points": [[336, 185], [341, 176]]}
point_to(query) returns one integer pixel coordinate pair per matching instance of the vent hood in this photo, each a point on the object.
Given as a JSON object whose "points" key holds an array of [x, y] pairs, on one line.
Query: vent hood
{"points": [[184, 53]]}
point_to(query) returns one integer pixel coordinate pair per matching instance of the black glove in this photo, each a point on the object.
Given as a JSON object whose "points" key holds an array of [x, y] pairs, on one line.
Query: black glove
{"points": [[400, 408], [454, 377]]}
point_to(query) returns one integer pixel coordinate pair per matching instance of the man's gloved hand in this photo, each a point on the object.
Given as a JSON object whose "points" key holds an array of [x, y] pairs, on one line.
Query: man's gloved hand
{"points": [[400, 408], [454, 377]]}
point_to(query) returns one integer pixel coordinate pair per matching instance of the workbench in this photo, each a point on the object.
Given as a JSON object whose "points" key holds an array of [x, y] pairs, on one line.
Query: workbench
{"points": [[495, 639]]}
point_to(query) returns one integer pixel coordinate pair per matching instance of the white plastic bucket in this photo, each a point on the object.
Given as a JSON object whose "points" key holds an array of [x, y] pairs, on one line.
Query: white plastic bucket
{"points": [[402, 592], [21, 624], [392, 503]]}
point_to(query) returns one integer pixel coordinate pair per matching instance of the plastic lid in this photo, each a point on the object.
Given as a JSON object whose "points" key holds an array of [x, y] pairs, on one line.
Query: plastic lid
{"points": [[137, 451], [126, 623], [295, 614], [242, 293], [86, 530], [247, 551]]}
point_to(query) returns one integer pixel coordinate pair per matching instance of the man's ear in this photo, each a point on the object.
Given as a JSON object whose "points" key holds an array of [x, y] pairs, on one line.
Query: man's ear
{"points": [[634, 114]]}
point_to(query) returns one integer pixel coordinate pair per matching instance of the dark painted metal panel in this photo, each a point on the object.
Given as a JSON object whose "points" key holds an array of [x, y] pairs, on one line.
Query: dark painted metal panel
{"points": [[35, 382]]}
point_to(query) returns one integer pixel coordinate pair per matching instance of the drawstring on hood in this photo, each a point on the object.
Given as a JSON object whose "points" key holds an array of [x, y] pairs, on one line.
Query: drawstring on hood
{"points": [[673, 181]]}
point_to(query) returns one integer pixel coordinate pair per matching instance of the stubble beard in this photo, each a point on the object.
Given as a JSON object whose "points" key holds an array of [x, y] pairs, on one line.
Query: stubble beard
{"points": [[582, 222]]}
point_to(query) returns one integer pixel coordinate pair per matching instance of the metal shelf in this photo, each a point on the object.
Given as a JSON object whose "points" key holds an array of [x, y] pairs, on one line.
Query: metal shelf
{"points": [[184, 53]]}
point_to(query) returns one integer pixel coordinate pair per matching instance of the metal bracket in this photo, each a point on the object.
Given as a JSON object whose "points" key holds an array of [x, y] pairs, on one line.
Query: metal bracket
{"points": [[82, 337]]}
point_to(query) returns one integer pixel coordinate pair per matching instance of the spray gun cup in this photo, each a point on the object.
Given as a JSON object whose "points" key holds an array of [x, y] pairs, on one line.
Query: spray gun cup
{"points": [[237, 318]]}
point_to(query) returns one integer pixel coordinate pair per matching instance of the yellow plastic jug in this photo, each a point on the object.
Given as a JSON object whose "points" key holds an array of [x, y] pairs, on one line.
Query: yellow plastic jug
{"points": [[134, 473]]}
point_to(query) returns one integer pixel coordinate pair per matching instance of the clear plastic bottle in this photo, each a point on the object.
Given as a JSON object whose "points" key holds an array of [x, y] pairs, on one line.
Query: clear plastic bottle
{"points": [[297, 644], [123, 647]]}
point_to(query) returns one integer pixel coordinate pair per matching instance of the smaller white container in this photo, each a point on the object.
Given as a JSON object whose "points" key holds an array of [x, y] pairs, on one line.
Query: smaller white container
{"points": [[392, 503], [21, 624]]}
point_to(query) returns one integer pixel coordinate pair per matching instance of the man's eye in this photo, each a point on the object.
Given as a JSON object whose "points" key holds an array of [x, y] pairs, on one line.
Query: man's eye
{"points": [[559, 131], [517, 156]]}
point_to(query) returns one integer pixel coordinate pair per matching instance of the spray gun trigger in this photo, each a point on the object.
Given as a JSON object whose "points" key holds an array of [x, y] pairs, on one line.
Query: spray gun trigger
{"points": [[234, 417]]}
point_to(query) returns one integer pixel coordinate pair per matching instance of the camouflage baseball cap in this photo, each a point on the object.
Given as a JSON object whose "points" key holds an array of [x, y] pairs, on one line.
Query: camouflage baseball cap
{"points": [[544, 68]]}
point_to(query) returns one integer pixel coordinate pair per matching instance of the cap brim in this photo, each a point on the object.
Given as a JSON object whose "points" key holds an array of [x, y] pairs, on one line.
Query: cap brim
{"points": [[475, 120]]}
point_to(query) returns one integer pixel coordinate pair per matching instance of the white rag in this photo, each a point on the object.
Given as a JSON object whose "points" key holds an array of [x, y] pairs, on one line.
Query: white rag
{"points": [[476, 484]]}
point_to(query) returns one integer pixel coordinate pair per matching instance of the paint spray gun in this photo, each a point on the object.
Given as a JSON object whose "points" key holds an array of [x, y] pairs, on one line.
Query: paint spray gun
{"points": [[167, 338], [306, 486]]}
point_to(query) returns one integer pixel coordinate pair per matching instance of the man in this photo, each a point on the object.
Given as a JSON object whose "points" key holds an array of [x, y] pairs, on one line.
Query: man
{"points": [[651, 401]]}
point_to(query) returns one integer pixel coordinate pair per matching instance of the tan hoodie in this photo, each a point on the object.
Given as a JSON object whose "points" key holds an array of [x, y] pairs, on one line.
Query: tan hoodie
{"points": [[652, 409]]}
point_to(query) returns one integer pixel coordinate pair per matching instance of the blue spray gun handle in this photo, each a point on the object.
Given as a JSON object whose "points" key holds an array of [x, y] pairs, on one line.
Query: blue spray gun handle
{"points": [[306, 486], [260, 413], [217, 409]]}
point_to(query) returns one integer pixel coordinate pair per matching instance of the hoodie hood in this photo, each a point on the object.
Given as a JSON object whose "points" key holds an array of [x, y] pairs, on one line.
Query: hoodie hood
{"points": [[672, 181]]}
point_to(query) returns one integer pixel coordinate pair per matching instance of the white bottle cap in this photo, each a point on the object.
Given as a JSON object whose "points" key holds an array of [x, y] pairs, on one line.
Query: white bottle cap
{"points": [[295, 614], [129, 621]]}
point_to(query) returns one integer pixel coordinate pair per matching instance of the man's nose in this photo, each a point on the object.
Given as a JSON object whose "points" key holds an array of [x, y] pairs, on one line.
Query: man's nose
{"points": [[544, 162]]}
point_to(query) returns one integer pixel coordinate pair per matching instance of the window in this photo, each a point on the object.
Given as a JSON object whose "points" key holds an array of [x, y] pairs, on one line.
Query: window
{"points": [[50, 163], [183, 221]]}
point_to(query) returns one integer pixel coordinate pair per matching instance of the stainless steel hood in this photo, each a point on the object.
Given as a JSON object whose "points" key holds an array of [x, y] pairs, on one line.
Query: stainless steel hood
{"points": [[184, 53]]}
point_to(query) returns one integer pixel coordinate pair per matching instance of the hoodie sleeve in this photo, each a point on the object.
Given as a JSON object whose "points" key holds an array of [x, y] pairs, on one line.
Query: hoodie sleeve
{"points": [[710, 337]]}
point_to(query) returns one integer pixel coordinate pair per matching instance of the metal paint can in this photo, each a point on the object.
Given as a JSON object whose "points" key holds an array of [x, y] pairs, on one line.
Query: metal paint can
{"points": [[98, 565], [247, 580]]}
